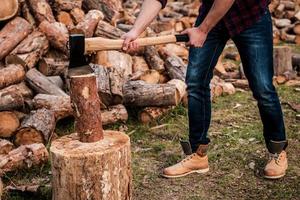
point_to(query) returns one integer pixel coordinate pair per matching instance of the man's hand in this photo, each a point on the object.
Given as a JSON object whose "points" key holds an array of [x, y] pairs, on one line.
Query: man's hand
{"points": [[196, 35], [129, 38]]}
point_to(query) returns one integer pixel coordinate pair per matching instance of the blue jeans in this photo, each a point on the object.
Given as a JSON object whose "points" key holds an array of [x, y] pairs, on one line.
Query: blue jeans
{"points": [[255, 46]]}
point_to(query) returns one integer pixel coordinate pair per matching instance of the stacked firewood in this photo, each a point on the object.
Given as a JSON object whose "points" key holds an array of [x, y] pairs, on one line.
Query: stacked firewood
{"points": [[34, 60]]}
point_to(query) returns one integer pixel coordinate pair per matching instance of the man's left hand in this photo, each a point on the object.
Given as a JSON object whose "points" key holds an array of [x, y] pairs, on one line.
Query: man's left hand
{"points": [[196, 35]]}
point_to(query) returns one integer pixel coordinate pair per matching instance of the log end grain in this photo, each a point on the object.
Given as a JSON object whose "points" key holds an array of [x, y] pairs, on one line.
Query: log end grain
{"points": [[9, 123]]}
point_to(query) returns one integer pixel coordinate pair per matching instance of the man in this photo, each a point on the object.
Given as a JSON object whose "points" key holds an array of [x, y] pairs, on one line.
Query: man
{"points": [[248, 23]]}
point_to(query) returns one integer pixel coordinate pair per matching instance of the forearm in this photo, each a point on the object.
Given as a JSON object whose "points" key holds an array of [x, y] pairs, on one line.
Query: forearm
{"points": [[149, 11], [216, 13]]}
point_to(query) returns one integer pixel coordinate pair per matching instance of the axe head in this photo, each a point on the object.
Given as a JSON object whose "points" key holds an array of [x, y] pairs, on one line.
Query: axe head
{"points": [[77, 48]]}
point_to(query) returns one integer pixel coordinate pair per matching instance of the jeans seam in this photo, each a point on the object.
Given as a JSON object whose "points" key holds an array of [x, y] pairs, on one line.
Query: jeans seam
{"points": [[210, 65]]}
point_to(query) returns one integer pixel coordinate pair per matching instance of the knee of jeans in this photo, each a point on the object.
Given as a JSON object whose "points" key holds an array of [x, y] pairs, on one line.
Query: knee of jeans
{"points": [[265, 94], [197, 88]]}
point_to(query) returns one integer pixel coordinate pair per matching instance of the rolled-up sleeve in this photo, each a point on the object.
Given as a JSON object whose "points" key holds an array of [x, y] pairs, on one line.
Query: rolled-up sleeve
{"points": [[163, 3]]}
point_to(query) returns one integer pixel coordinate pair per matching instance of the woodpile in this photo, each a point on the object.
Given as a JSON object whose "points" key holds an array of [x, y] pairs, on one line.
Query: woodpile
{"points": [[34, 57]]}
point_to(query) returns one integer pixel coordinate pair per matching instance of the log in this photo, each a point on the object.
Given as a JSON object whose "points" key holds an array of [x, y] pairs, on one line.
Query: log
{"points": [[20, 89], [113, 114], [114, 59], [141, 94], [27, 14], [12, 34], [41, 10], [282, 60], [106, 30], [109, 8], [77, 15], [10, 101], [103, 84], [106, 170], [180, 87], [9, 123], [139, 64], [174, 50], [5, 147], [10, 75], [57, 80], [37, 127], [66, 19], [53, 65], [151, 76], [60, 105], [86, 104], [150, 114], [57, 34], [176, 68], [232, 56], [153, 59], [25, 156], [117, 80], [90, 22], [8, 10], [41, 84], [29, 51], [66, 5]]}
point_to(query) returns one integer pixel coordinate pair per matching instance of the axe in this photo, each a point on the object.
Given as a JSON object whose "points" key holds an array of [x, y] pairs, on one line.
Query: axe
{"points": [[79, 45]]}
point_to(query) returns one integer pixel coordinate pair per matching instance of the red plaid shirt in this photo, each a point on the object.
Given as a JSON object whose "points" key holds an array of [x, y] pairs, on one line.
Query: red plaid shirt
{"points": [[241, 15]]}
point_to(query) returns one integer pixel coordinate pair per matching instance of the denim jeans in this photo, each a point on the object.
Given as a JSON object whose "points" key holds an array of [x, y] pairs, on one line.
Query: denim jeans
{"points": [[255, 46]]}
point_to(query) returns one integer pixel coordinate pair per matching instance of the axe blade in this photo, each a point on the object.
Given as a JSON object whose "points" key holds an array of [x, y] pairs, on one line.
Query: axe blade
{"points": [[77, 49]]}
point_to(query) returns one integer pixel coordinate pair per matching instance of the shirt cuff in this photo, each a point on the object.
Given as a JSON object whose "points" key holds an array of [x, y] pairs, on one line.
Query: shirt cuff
{"points": [[163, 3]]}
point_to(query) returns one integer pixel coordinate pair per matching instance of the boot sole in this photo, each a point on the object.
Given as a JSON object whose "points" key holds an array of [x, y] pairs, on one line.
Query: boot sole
{"points": [[200, 171], [274, 177]]}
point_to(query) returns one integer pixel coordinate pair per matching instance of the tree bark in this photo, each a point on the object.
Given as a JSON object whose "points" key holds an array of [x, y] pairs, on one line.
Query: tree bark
{"points": [[67, 5], [38, 127], [20, 89], [11, 74], [77, 15], [10, 101], [53, 66], [104, 167], [29, 51], [90, 22], [86, 104], [176, 68], [282, 60], [139, 64], [117, 80], [27, 14], [12, 34], [9, 123], [151, 76], [113, 114], [141, 94], [41, 10], [5, 147], [41, 84], [57, 34], [23, 157], [150, 114], [106, 30], [57, 80], [153, 59]]}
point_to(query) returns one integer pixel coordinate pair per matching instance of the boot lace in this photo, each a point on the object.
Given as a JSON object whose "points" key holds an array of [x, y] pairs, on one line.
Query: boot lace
{"points": [[275, 157], [189, 157]]}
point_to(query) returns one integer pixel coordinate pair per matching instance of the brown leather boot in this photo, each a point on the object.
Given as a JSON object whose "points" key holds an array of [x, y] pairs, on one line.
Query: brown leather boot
{"points": [[278, 163], [194, 163]]}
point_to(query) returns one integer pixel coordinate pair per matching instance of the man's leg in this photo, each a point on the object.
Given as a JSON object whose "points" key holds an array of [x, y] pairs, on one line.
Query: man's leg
{"points": [[199, 73], [255, 46]]}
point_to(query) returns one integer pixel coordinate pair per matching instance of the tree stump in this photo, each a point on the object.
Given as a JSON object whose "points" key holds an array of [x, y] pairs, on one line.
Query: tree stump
{"points": [[91, 163], [282, 60]]}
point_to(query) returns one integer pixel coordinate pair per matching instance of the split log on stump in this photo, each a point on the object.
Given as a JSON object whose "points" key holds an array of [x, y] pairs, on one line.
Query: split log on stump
{"points": [[11, 74], [41, 10], [9, 123], [176, 68], [57, 80], [150, 114], [8, 10], [110, 8], [66, 19], [29, 51], [103, 84], [57, 34], [113, 114], [121, 61], [139, 93], [104, 167], [5, 147], [51, 66], [12, 34], [139, 64], [153, 59], [25, 156], [106, 30], [37, 127], [60, 105], [66, 5], [22, 89], [282, 60], [90, 22], [77, 15], [41, 84], [86, 104]]}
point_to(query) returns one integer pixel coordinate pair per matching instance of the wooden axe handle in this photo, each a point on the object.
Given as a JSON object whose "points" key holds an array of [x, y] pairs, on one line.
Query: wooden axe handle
{"points": [[99, 44]]}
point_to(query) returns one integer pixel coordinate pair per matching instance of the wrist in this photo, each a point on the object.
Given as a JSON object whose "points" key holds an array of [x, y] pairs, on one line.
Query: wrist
{"points": [[136, 30], [204, 28]]}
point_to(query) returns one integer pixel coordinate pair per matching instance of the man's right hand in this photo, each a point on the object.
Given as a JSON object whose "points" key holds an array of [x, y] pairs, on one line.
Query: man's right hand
{"points": [[129, 38]]}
